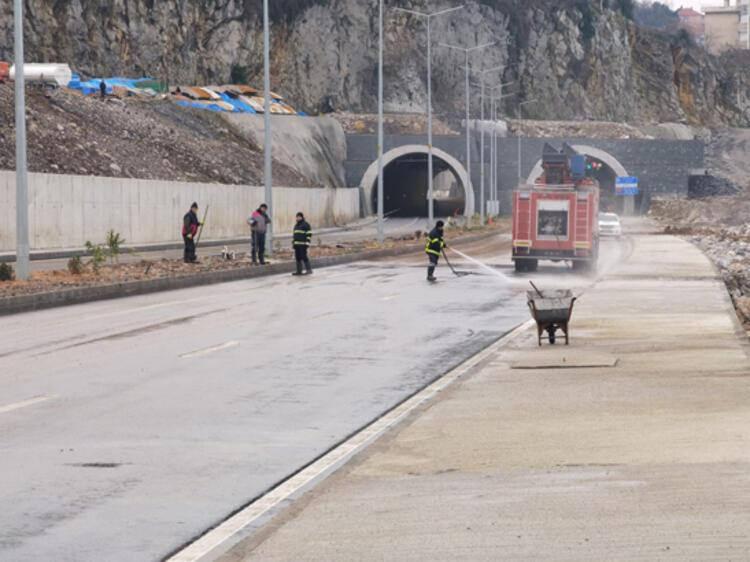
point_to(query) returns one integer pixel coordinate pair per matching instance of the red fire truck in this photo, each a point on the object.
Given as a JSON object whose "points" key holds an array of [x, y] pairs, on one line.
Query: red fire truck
{"points": [[557, 217]]}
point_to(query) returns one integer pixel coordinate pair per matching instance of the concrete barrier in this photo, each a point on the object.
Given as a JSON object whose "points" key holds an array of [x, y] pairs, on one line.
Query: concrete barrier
{"points": [[66, 211]]}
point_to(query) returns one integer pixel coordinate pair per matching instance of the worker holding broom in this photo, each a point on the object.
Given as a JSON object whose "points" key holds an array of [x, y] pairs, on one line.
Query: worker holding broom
{"points": [[435, 245], [190, 225]]}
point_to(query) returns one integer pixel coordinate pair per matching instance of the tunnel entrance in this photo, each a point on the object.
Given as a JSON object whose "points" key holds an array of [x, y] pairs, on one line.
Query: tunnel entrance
{"points": [[604, 168], [405, 184], [405, 188]]}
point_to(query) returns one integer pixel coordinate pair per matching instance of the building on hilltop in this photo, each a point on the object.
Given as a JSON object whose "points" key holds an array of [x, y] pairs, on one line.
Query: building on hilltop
{"points": [[693, 22], [728, 26]]}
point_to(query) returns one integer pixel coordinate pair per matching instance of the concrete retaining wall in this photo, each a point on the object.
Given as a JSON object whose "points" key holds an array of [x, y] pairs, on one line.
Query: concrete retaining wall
{"points": [[66, 211]]}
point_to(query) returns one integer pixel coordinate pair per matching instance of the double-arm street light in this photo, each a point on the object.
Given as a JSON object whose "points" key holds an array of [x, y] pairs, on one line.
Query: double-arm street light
{"points": [[427, 16], [467, 52]]}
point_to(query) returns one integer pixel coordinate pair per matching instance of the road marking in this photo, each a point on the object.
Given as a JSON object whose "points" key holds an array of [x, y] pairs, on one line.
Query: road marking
{"points": [[389, 298], [236, 524], [24, 404], [209, 350]]}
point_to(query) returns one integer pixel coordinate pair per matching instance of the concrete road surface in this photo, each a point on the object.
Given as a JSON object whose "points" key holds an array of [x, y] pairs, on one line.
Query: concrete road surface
{"points": [[128, 427], [632, 444]]}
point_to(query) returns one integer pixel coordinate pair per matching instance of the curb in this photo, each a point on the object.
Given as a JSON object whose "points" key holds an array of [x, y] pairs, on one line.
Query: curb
{"points": [[80, 295], [42, 255]]}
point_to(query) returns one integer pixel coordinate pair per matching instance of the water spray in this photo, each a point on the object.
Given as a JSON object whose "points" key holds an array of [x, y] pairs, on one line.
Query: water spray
{"points": [[482, 265]]}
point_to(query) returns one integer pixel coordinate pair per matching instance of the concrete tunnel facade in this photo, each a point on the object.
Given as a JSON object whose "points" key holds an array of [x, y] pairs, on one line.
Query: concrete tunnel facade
{"points": [[406, 186]]}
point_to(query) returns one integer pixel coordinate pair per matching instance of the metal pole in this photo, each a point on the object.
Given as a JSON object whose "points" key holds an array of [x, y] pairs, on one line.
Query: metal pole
{"points": [[22, 195], [481, 150], [520, 116], [268, 138], [492, 151], [468, 128], [381, 219], [430, 195], [518, 134]]}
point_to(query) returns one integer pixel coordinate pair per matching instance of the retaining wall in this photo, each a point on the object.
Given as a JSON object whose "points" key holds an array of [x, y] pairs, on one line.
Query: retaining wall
{"points": [[66, 211]]}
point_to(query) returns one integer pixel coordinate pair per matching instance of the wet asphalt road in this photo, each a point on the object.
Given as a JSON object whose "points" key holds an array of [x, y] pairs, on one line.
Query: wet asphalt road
{"points": [[128, 427]]}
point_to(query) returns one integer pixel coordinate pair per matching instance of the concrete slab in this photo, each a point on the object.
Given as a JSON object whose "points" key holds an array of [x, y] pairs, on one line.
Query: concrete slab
{"points": [[556, 359], [648, 461]]}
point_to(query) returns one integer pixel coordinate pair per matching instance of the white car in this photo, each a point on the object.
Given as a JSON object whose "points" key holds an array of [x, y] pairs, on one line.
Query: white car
{"points": [[609, 225]]}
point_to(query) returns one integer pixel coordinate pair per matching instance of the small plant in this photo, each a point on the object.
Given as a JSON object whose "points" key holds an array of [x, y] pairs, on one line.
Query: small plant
{"points": [[98, 256], [6, 272], [239, 74], [75, 265], [114, 245]]}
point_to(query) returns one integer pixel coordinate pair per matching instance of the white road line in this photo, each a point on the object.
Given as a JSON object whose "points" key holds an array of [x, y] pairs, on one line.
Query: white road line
{"points": [[209, 350], [214, 539], [24, 404]]}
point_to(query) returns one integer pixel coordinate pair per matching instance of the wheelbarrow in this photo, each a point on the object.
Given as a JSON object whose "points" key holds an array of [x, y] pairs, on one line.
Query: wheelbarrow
{"points": [[551, 311]]}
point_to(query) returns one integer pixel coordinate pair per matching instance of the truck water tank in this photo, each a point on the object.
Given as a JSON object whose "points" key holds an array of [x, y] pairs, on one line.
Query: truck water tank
{"points": [[59, 74]]}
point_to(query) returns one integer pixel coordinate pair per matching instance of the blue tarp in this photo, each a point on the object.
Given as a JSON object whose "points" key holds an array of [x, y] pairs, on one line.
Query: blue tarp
{"points": [[92, 86]]}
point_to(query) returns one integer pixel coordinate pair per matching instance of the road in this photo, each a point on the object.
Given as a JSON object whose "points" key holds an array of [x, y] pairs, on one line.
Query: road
{"points": [[128, 427]]}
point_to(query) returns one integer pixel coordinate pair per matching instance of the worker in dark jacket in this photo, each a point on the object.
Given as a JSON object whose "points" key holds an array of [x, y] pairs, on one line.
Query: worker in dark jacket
{"points": [[433, 249], [190, 225], [103, 89], [301, 240]]}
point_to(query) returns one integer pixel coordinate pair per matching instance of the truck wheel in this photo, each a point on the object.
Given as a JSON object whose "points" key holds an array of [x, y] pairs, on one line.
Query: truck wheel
{"points": [[532, 265], [520, 266]]}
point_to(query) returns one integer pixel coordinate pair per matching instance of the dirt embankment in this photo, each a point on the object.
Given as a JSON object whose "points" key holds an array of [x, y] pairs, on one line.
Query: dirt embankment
{"points": [[145, 139], [720, 226]]}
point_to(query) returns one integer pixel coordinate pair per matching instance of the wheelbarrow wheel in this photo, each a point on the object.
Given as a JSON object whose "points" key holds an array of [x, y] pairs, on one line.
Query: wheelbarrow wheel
{"points": [[551, 331]]}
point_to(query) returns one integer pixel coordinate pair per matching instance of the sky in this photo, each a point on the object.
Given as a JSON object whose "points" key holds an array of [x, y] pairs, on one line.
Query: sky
{"points": [[696, 4]]}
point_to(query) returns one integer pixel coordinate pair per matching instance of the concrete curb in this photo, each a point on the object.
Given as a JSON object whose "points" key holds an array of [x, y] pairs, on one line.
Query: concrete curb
{"points": [[64, 253], [80, 295]]}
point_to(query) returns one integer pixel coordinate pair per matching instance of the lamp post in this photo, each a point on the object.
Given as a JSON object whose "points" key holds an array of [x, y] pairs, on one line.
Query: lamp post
{"points": [[428, 17], [268, 138], [22, 194], [482, 74], [381, 140], [467, 52], [518, 134], [493, 137]]}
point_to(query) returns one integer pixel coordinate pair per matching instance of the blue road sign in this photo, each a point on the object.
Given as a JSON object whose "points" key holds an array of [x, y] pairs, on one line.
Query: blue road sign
{"points": [[626, 186]]}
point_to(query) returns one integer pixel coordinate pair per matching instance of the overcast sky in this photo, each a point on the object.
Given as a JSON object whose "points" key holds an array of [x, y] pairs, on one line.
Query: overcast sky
{"points": [[697, 4]]}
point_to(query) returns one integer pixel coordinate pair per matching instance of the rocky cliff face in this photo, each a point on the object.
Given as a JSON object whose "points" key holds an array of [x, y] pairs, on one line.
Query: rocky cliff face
{"points": [[578, 61]]}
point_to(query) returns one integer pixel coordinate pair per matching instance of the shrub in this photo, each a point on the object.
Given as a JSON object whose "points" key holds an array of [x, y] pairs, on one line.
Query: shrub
{"points": [[114, 243], [98, 256], [75, 265], [6, 272], [239, 74]]}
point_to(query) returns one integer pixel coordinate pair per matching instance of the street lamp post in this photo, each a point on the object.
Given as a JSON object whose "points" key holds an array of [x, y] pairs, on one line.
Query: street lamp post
{"points": [[428, 17], [518, 134], [493, 138], [268, 138], [22, 194], [381, 217], [467, 52], [482, 195]]}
